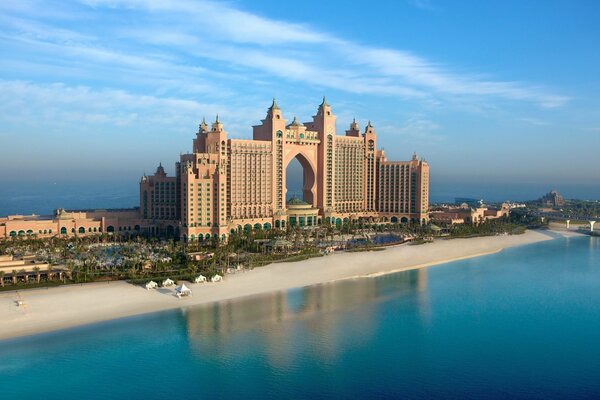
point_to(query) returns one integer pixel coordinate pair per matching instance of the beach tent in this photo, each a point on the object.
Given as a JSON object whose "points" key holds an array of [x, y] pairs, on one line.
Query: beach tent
{"points": [[435, 228], [200, 279], [183, 290], [151, 285], [168, 282], [216, 278]]}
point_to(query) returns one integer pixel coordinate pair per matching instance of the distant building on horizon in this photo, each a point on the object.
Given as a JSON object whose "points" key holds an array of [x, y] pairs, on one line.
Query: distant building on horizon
{"points": [[471, 202], [552, 199], [229, 185]]}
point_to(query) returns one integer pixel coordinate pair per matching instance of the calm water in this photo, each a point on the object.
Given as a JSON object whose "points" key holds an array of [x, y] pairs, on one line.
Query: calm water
{"points": [[43, 197], [524, 323]]}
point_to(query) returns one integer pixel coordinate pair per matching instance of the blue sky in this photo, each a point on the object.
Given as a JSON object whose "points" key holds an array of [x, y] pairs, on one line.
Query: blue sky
{"points": [[487, 92]]}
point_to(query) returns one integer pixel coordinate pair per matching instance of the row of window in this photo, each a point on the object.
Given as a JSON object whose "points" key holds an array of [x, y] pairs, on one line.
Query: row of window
{"points": [[81, 229]]}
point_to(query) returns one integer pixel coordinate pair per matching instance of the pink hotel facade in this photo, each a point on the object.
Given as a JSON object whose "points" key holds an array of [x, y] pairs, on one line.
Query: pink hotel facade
{"points": [[227, 185]]}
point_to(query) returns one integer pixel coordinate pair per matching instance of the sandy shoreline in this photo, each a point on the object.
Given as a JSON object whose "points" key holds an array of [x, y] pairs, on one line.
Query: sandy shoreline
{"points": [[69, 306]]}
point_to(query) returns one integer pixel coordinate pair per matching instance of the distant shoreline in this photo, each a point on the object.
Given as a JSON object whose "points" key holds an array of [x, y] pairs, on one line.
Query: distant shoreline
{"points": [[75, 305]]}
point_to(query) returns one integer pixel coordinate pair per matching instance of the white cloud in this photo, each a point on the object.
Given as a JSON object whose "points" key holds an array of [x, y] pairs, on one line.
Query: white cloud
{"points": [[416, 129], [58, 105], [423, 4], [420, 72], [227, 22], [535, 121], [183, 44]]}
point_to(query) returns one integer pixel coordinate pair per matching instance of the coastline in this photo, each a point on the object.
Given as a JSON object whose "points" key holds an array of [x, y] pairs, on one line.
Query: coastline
{"points": [[75, 305]]}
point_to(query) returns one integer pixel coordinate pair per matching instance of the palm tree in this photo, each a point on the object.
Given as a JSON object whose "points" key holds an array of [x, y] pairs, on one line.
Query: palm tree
{"points": [[14, 276], [193, 268], [132, 272], [2, 278], [70, 269], [22, 271], [36, 269], [49, 273]]}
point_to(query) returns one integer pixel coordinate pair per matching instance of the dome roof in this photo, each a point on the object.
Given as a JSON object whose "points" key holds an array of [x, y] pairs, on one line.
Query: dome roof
{"points": [[295, 201], [295, 122]]}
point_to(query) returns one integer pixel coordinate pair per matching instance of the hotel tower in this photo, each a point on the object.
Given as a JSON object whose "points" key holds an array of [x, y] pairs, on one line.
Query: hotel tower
{"points": [[227, 185]]}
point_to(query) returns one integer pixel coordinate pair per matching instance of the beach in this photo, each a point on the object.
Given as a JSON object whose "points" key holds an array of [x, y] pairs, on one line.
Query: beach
{"points": [[57, 308]]}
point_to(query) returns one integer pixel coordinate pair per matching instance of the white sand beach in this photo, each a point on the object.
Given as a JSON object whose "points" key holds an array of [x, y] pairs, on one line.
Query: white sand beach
{"points": [[69, 306]]}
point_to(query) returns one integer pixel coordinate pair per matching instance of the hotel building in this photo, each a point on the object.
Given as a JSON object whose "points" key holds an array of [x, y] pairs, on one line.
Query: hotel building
{"points": [[226, 185]]}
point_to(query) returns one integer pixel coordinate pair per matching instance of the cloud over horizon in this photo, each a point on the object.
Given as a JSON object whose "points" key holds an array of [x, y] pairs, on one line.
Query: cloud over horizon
{"points": [[116, 67]]}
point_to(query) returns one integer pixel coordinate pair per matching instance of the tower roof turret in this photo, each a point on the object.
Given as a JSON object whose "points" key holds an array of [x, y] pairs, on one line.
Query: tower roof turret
{"points": [[274, 106], [324, 108], [203, 127], [160, 171], [274, 110], [295, 122], [354, 129], [217, 126], [369, 128]]}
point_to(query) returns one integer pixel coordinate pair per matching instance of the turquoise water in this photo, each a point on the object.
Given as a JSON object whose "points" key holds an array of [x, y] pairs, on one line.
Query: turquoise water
{"points": [[523, 323]]}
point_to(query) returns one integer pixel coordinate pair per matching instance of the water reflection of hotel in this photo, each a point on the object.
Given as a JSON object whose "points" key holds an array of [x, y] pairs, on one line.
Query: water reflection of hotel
{"points": [[319, 311]]}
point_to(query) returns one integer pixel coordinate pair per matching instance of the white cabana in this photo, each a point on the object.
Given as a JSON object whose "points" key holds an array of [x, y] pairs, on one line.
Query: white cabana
{"points": [[168, 282], [182, 290], [216, 278], [200, 279], [151, 285]]}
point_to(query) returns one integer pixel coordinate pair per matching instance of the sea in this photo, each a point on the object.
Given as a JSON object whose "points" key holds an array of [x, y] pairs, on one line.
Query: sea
{"points": [[520, 324], [44, 197]]}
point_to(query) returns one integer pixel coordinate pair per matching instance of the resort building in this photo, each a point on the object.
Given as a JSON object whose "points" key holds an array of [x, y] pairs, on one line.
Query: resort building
{"points": [[465, 214], [26, 269], [227, 185], [72, 223]]}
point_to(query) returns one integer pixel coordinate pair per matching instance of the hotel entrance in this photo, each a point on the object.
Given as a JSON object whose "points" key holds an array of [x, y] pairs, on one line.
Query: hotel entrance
{"points": [[302, 214]]}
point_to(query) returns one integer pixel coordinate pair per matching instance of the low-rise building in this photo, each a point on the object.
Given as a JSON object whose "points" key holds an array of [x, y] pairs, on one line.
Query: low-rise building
{"points": [[466, 215], [73, 223], [27, 269]]}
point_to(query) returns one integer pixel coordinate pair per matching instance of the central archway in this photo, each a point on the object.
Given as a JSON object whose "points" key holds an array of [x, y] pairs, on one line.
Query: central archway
{"points": [[300, 179]]}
